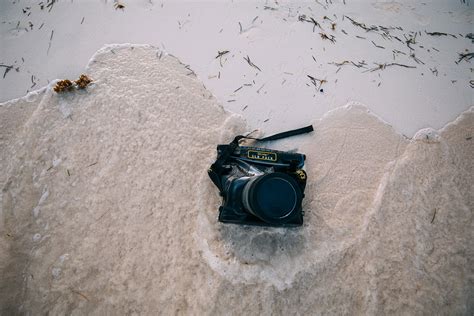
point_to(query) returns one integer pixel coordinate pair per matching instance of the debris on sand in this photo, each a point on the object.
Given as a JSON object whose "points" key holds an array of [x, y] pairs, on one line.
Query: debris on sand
{"points": [[63, 86], [67, 85], [383, 66], [7, 69], [304, 18], [360, 64], [378, 46], [362, 25], [220, 54], [83, 82], [328, 37], [466, 56], [317, 82], [440, 34], [118, 5], [470, 36], [247, 59]]}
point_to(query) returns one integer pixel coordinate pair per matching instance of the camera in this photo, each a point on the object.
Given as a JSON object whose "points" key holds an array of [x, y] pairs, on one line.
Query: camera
{"points": [[260, 186]]}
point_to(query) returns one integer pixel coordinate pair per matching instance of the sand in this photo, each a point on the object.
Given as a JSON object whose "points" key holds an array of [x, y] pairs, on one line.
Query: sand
{"points": [[60, 40], [106, 207]]}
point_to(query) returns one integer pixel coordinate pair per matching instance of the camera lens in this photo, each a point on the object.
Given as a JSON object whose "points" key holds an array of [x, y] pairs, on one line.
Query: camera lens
{"points": [[273, 197]]}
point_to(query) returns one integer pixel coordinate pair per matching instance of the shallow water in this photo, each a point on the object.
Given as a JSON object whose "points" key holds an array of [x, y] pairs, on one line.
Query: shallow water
{"points": [[108, 209]]}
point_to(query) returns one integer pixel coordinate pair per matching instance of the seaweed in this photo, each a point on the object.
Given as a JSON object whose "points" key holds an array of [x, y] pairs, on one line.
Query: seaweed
{"points": [[316, 81], [50, 5], [383, 66], [220, 54], [417, 60], [50, 39], [67, 85], [247, 59], [238, 89], [397, 38], [434, 71], [378, 46], [63, 86], [331, 38], [362, 25], [304, 18], [269, 8], [33, 81], [7, 69], [83, 82], [360, 64], [439, 34], [465, 56]]}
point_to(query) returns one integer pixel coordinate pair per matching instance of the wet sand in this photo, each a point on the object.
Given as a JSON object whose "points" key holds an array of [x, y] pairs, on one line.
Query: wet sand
{"points": [[106, 207]]}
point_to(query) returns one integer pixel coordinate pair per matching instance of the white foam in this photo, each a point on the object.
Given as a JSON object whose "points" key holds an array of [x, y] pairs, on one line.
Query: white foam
{"points": [[381, 211]]}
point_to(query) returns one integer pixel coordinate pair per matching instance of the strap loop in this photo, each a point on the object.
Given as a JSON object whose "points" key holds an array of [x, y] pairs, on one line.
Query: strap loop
{"points": [[294, 132]]}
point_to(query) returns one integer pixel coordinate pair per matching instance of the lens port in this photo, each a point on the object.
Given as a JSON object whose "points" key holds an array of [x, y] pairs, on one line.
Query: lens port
{"points": [[273, 197]]}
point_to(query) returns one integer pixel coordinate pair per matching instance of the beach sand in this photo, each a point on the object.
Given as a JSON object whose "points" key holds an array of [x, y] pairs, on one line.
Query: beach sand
{"points": [[56, 40], [106, 207]]}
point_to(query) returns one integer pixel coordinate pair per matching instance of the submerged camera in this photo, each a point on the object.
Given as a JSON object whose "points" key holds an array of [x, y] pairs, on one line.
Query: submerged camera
{"points": [[260, 186]]}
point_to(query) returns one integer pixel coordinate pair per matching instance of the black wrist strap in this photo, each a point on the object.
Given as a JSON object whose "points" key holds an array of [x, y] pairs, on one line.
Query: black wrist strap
{"points": [[286, 134]]}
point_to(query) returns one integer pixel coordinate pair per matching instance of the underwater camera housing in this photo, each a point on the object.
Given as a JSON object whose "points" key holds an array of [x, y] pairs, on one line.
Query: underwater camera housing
{"points": [[260, 186]]}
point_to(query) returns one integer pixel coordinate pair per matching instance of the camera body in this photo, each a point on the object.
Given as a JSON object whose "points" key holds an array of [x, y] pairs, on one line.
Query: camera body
{"points": [[261, 186]]}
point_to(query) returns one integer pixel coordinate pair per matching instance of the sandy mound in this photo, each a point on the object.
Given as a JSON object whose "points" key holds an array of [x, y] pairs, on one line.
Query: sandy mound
{"points": [[106, 207]]}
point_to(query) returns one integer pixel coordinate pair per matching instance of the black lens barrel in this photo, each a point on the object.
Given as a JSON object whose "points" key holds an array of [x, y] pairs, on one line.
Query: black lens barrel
{"points": [[274, 197]]}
